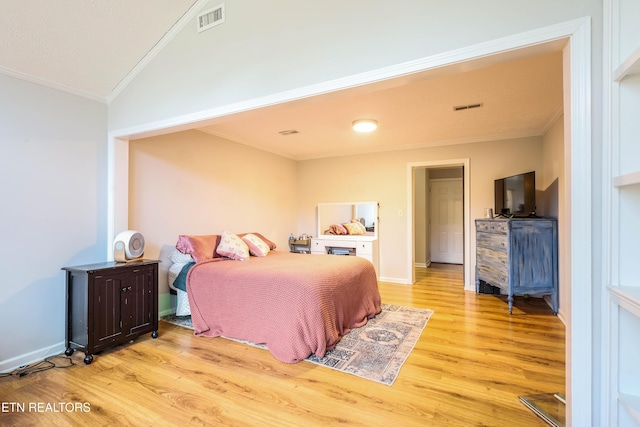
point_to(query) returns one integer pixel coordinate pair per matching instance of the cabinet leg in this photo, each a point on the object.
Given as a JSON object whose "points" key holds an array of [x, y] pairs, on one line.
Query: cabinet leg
{"points": [[69, 351], [88, 358], [154, 334]]}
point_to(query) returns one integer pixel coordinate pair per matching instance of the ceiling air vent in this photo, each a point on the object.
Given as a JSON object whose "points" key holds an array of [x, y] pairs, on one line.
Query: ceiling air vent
{"points": [[210, 18], [466, 107]]}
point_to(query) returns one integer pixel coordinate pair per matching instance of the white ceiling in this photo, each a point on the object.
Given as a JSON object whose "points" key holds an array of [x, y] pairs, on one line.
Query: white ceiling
{"points": [[85, 46], [89, 47]]}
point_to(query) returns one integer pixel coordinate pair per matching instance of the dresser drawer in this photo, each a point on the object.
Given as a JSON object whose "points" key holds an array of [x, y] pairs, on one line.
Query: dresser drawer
{"points": [[497, 242], [492, 258], [484, 225], [500, 227], [499, 278], [492, 226]]}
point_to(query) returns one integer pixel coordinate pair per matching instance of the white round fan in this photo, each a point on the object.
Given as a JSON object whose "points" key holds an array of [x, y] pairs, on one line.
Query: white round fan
{"points": [[128, 246]]}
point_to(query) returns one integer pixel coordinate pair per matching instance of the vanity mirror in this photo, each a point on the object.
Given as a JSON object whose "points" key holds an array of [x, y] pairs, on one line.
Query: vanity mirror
{"points": [[333, 215]]}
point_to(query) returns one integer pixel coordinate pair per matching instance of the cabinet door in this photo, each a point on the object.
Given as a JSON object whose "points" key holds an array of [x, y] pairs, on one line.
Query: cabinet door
{"points": [[532, 255], [106, 327], [137, 300]]}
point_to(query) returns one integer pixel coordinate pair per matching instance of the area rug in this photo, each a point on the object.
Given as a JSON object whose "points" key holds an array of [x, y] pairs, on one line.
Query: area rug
{"points": [[375, 352]]}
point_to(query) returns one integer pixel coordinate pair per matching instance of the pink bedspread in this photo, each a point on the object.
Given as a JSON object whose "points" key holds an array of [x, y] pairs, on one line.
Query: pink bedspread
{"points": [[296, 304]]}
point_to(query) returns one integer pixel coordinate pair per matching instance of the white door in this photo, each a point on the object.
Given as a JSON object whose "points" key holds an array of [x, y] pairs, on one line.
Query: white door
{"points": [[446, 218]]}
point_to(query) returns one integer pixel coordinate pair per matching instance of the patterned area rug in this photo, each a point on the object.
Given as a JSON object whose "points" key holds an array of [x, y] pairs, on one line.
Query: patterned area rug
{"points": [[375, 351]]}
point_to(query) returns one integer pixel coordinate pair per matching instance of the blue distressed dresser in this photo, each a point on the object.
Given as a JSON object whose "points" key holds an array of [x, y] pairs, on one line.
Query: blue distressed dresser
{"points": [[518, 256]]}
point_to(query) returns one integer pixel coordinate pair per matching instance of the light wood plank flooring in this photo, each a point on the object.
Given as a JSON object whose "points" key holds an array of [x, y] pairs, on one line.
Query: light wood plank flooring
{"points": [[468, 369]]}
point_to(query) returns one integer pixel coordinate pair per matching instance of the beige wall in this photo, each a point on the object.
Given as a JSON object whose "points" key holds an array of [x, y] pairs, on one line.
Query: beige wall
{"points": [[383, 177], [194, 183]]}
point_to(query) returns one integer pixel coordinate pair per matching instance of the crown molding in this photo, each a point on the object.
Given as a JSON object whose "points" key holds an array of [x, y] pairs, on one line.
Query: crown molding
{"points": [[51, 85]]}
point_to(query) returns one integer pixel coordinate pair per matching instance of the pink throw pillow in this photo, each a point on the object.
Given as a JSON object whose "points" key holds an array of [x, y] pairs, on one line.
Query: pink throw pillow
{"points": [[201, 248], [232, 246]]}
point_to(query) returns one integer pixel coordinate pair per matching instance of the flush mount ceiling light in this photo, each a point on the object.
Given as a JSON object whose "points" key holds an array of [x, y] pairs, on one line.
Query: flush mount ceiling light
{"points": [[365, 125]]}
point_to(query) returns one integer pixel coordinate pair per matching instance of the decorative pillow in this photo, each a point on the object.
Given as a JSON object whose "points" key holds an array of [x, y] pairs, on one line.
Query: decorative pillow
{"points": [[269, 243], [354, 228], [232, 246], [201, 248], [177, 257], [257, 246], [337, 229]]}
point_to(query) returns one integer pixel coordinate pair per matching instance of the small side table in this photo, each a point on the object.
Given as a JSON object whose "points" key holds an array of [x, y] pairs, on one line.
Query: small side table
{"points": [[300, 246], [110, 303]]}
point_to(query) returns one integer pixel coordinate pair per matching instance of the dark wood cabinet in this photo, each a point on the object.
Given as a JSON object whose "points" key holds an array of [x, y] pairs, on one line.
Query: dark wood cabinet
{"points": [[110, 303]]}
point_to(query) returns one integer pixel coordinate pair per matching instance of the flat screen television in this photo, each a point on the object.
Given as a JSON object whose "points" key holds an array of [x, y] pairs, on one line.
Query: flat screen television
{"points": [[516, 195]]}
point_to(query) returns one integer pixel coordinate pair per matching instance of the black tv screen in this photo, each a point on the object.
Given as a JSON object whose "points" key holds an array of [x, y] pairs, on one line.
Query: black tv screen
{"points": [[516, 195]]}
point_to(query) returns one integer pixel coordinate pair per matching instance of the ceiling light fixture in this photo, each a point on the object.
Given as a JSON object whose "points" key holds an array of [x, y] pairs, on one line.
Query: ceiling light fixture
{"points": [[365, 125]]}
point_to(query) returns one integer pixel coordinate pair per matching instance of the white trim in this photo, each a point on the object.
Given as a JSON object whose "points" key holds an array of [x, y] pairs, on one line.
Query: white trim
{"points": [[51, 85], [39, 355], [608, 399], [580, 380], [469, 279], [580, 346], [118, 189], [155, 50]]}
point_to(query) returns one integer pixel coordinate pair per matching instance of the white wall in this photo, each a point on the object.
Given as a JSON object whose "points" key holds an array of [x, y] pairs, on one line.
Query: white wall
{"points": [[53, 192]]}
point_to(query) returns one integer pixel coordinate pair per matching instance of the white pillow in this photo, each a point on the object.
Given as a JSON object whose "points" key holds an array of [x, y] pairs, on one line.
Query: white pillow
{"points": [[178, 257], [232, 246], [257, 246]]}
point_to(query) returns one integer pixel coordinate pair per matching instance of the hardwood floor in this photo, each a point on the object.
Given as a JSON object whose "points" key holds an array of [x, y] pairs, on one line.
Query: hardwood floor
{"points": [[468, 369]]}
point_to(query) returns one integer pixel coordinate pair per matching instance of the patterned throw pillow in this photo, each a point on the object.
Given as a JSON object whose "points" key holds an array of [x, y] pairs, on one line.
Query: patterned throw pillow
{"points": [[232, 246], [257, 246], [355, 228]]}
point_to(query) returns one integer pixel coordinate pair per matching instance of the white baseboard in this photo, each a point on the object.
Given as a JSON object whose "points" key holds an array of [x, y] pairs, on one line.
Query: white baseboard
{"points": [[31, 357], [394, 280]]}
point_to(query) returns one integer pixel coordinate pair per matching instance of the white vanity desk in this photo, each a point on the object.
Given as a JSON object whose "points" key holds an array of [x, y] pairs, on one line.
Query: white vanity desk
{"points": [[364, 246]]}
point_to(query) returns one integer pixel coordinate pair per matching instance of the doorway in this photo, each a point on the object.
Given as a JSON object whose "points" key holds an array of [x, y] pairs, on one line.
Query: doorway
{"points": [[442, 242]]}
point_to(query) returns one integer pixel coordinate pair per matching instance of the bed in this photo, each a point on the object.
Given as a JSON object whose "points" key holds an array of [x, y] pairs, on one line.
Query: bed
{"points": [[295, 304]]}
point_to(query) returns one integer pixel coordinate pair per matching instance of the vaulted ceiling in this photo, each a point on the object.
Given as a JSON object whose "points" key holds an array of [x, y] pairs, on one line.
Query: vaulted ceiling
{"points": [[90, 47]]}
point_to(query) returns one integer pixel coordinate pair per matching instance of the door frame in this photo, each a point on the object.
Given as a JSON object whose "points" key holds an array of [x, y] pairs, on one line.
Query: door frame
{"points": [[469, 284]]}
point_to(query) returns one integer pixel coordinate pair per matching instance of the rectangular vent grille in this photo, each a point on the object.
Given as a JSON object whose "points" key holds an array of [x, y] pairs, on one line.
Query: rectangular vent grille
{"points": [[210, 18]]}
